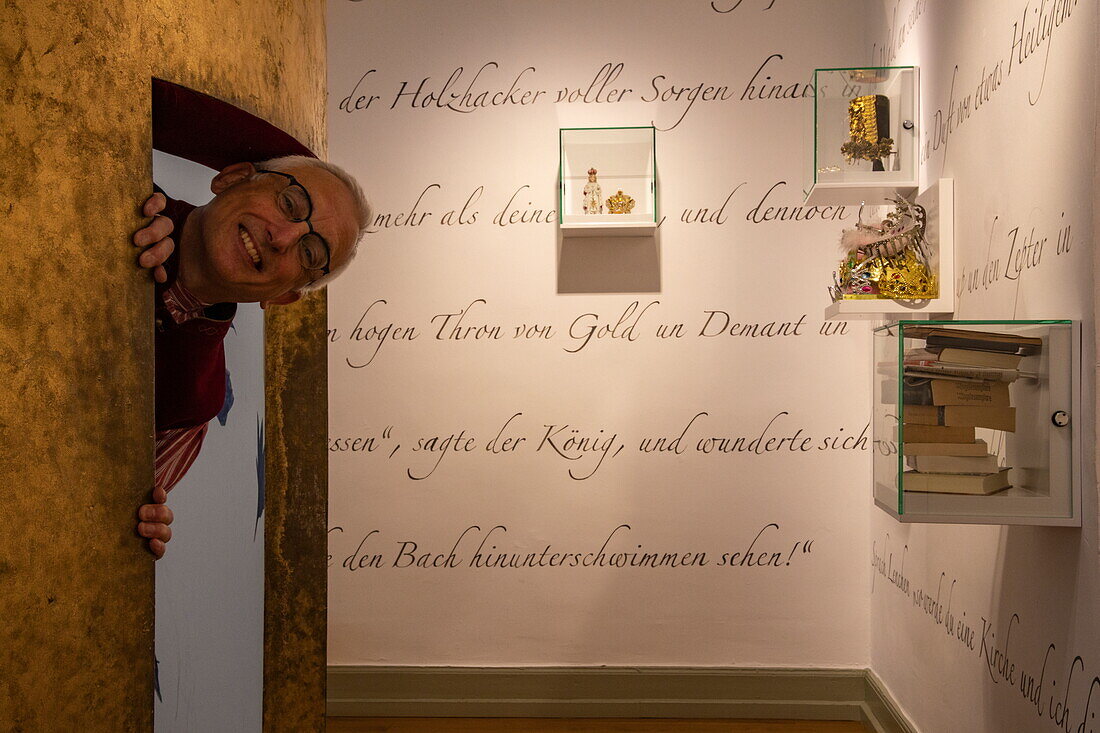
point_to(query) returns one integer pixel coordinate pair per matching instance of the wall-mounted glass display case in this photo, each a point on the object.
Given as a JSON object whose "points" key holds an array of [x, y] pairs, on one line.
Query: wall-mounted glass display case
{"points": [[608, 183], [973, 421], [864, 136]]}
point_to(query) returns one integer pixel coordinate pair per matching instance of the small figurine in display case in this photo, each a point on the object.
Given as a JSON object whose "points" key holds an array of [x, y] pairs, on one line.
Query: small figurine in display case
{"points": [[593, 194]]}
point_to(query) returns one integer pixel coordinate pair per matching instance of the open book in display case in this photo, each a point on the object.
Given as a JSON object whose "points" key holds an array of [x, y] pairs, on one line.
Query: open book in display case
{"points": [[974, 421]]}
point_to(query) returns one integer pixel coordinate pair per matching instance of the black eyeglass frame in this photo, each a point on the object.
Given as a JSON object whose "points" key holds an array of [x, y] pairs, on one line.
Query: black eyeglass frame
{"points": [[309, 200]]}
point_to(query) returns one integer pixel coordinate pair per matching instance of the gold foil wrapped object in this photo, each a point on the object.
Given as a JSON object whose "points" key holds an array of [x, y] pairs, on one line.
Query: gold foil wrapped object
{"points": [[862, 120], [863, 125]]}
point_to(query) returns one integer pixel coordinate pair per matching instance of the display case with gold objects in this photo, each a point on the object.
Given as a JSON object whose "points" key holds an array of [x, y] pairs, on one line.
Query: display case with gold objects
{"points": [[897, 259], [978, 421], [864, 138], [608, 184]]}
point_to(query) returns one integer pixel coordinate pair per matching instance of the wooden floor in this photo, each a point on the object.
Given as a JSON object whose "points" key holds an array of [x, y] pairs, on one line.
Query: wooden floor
{"points": [[600, 725]]}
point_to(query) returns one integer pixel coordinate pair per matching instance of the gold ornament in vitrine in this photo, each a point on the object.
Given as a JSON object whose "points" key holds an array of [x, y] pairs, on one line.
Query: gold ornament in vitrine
{"points": [[620, 203], [868, 123], [889, 261]]}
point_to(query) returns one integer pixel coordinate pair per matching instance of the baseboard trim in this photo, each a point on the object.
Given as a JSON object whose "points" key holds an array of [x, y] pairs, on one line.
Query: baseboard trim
{"points": [[884, 713], [613, 692]]}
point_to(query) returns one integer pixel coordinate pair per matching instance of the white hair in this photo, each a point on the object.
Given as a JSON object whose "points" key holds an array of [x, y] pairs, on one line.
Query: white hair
{"points": [[363, 211]]}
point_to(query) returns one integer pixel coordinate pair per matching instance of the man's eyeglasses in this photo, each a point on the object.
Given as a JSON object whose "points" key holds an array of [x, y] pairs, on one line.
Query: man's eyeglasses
{"points": [[296, 205]]}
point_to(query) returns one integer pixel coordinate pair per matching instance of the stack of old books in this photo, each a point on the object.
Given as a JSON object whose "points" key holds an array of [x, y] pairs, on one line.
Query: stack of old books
{"points": [[959, 382]]}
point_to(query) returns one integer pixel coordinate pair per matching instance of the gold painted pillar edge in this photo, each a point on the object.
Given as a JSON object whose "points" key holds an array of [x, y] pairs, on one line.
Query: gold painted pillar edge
{"points": [[295, 522]]}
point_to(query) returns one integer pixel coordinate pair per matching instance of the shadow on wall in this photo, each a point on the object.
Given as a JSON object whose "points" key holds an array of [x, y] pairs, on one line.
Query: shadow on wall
{"points": [[609, 264], [1038, 589]]}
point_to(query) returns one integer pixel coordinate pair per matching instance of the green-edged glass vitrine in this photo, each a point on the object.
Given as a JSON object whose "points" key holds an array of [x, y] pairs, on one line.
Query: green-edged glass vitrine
{"points": [[608, 184], [864, 138], [974, 421]]}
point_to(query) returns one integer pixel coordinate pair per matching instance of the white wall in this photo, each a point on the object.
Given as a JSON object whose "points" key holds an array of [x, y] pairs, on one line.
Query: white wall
{"points": [[210, 583], [1022, 154], [808, 507]]}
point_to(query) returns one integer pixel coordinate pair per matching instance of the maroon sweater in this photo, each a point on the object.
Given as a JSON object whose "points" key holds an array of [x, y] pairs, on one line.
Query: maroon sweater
{"points": [[190, 356]]}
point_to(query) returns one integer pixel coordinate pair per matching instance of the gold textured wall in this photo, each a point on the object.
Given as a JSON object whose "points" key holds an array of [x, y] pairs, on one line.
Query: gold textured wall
{"points": [[76, 586]]}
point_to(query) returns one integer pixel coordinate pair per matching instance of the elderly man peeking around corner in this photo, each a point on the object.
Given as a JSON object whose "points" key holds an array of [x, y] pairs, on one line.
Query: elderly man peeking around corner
{"points": [[273, 231]]}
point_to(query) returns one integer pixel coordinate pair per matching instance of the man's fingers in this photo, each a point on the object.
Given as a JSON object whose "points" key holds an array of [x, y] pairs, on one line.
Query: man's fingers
{"points": [[155, 531], [158, 513], [155, 518], [157, 254], [156, 230], [154, 204]]}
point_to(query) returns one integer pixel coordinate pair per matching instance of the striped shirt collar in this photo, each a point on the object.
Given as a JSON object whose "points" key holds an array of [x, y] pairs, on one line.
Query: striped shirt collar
{"points": [[181, 304]]}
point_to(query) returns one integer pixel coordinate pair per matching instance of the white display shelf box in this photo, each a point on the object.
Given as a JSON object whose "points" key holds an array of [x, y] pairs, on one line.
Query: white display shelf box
{"points": [[939, 205], [624, 159], [853, 194], [831, 178], [616, 228]]}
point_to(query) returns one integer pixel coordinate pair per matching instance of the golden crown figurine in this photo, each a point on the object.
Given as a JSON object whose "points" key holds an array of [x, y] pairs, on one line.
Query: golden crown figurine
{"points": [[620, 203]]}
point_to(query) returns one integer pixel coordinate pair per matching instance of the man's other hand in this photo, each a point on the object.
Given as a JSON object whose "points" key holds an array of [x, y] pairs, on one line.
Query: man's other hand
{"points": [[155, 519], [154, 238]]}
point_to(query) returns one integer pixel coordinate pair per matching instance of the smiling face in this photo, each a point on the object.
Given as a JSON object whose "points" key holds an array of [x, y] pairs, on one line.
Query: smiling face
{"points": [[242, 247]]}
